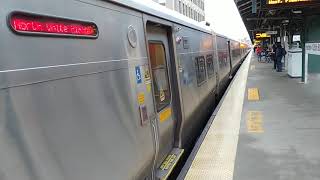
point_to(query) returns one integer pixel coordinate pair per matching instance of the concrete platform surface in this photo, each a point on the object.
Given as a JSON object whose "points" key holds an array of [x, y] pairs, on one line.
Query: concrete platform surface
{"points": [[288, 148], [266, 128]]}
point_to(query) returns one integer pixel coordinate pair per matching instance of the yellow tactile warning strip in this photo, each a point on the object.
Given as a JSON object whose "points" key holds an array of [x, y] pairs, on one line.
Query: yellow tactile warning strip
{"points": [[254, 122], [253, 94], [216, 156]]}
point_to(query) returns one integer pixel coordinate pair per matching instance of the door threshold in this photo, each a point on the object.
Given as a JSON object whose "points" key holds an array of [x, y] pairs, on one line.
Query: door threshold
{"points": [[164, 171]]}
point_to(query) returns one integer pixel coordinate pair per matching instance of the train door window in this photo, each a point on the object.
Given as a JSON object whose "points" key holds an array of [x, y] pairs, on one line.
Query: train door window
{"points": [[184, 9], [159, 69], [200, 69], [220, 50], [210, 66]]}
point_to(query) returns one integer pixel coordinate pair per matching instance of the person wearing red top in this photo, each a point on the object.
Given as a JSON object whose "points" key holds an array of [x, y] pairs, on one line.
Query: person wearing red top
{"points": [[259, 51]]}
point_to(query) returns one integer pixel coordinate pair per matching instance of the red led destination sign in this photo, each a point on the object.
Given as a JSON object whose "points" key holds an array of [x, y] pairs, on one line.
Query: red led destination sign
{"points": [[285, 4], [289, 2], [271, 2], [43, 25]]}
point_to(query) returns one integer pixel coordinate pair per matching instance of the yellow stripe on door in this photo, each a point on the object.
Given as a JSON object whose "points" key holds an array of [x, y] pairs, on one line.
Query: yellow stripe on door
{"points": [[165, 114], [253, 94], [141, 98], [255, 122]]}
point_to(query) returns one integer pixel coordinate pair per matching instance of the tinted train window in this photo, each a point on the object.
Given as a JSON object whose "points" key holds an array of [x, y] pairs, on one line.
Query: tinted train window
{"points": [[200, 69], [222, 49], [160, 75], [235, 51], [210, 66]]}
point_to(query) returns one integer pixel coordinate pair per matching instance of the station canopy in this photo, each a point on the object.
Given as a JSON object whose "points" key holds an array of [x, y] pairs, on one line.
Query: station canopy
{"points": [[264, 18]]}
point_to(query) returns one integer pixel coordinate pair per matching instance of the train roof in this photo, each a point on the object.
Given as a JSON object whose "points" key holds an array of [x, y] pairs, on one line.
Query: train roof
{"points": [[152, 8], [223, 36]]}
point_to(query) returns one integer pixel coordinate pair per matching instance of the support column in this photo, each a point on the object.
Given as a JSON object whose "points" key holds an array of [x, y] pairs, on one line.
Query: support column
{"points": [[286, 47], [303, 46]]}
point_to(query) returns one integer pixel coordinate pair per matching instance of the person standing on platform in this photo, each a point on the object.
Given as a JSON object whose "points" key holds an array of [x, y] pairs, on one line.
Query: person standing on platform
{"points": [[274, 48], [280, 53], [259, 51]]}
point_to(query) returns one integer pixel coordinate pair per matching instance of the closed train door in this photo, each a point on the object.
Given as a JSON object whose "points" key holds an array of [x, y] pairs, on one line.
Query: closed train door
{"points": [[230, 59], [159, 63]]}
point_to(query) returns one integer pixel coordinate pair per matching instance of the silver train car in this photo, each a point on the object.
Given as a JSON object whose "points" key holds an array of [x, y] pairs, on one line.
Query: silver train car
{"points": [[97, 89]]}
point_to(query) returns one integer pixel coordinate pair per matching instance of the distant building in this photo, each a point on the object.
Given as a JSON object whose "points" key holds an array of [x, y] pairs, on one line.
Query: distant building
{"points": [[193, 9]]}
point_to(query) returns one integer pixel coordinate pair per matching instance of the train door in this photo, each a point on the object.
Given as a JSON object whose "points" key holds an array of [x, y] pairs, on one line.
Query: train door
{"points": [[159, 62], [230, 58]]}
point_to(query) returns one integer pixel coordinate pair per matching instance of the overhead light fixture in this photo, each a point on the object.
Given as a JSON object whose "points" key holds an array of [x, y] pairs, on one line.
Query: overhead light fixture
{"points": [[297, 11], [285, 21]]}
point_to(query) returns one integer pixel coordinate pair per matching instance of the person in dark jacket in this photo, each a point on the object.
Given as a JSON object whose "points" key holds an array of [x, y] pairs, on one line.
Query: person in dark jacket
{"points": [[274, 48], [280, 53]]}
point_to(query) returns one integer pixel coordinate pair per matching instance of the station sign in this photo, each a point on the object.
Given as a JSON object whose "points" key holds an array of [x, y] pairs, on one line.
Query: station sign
{"points": [[313, 48], [256, 42], [272, 32], [262, 35], [271, 2], [290, 3]]}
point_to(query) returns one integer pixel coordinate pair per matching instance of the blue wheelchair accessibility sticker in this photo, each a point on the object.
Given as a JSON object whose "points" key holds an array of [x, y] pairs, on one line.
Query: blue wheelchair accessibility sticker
{"points": [[138, 75]]}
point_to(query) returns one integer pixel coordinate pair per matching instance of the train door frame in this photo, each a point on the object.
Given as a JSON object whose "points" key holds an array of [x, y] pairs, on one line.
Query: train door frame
{"points": [[174, 86], [230, 58], [217, 70]]}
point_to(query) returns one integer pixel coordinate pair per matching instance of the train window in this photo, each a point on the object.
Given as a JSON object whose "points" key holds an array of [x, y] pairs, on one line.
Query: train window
{"points": [[222, 49], [200, 69], [185, 42], [235, 51], [161, 86], [210, 66]]}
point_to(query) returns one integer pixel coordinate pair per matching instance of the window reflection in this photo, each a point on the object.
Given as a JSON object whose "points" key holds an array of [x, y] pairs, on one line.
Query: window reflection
{"points": [[160, 75]]}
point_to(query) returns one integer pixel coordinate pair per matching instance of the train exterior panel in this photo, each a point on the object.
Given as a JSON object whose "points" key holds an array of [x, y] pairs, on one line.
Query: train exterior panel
{"points": [[224, 61], [115, 106], [235, 53], [196, 83], [69, 106]]}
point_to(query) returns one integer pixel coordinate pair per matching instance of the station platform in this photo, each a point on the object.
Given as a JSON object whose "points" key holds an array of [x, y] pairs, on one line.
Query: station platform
{"points": [[266, 127]]}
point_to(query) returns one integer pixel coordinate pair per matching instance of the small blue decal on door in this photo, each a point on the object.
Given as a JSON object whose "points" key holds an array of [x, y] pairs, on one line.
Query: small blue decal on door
{"points": [[138, 75]]}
